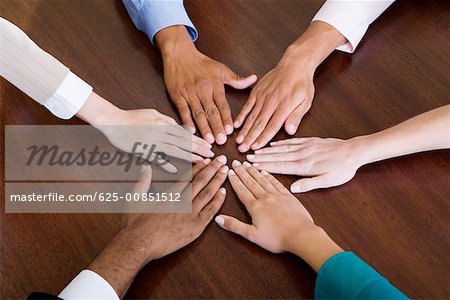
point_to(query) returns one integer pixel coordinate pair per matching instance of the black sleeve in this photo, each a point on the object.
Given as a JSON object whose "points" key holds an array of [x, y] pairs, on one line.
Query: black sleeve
{"points": [[42, 296]]}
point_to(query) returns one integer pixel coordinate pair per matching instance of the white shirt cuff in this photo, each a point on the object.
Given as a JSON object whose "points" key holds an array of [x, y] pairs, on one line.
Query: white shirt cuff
{"points": [[351, 18], [69, 97], [88, 285]]}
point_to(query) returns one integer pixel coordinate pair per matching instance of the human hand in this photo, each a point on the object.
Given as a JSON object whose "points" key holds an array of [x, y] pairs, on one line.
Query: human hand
{"points": [[145, 237], [326, 162], [285, 94], [279, 221], [282, 96], [125, 128], [195, 83]]}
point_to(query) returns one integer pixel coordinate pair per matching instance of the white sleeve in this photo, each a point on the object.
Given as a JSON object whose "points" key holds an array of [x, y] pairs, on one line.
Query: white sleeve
{"points": [[351, 18], [88, 285], [38, 74]]}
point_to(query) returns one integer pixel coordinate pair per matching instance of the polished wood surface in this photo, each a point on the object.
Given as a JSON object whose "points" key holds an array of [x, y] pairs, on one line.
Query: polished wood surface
{"points": [[393, 214]]}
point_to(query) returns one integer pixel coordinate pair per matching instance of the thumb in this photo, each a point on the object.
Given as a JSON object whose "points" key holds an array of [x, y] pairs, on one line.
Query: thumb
{"points": [[234, 225], [308, 184], [293, 121], [145, 179], [236, 81]]}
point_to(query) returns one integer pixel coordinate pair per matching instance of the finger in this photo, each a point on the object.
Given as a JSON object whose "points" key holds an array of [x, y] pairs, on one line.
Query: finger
{"points": [[203, 177], [199, 166], [249, 122], [244, 195], [215, 121], [208, 192], [251, 184], [277, 184], [213, 207], [276, 122], [288, 168], [174, 151], [246, 109], [234, 225], [294, 119], [277, 149], [260, 178], [185, 113], [224, 108], [145, 179], [275, 157], [232, 79], [257, 127], [200, 119], [292, 141], [309, 184]]}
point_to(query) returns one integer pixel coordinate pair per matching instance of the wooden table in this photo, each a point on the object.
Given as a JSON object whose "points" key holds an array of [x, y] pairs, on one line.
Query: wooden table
{"points": [[394, 214]]}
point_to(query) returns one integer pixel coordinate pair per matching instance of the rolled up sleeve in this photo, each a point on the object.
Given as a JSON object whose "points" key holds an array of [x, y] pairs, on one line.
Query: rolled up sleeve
{"points": [[151, 16]]}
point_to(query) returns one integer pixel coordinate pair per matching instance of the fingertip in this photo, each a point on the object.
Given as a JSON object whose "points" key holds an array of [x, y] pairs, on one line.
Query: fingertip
{"points": [[223, 190], [228, 129], [220, 220], [291, 129], [295, 188]]}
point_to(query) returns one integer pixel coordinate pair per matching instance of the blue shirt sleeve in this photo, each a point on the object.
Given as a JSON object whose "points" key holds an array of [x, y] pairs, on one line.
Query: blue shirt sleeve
{"points": [[346, 276], [151, 16]]}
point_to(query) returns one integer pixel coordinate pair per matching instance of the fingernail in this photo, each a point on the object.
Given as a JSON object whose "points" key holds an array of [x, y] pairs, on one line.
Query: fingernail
{"points": [[220, 220], [256, 165], [272, 143], [250, 156], [235, 163], [255, 146], [209, 138], [210, 154], [236, 124], [223, 190], [242, 148], [224, 169], [228, 129], [222, 159], [206, 161], [295, 189], [221, 138], [192, 129], [239, 139], [264, 172], [291, 129], [258, 151], [231, 173], [246, 164]]}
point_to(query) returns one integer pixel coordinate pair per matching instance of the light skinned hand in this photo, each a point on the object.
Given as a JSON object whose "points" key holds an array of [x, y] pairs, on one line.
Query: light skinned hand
{"points": [[195, 83], [148, 236], [279, 221], [285, 94], [324, 162], [282, 97], [124, 128]]}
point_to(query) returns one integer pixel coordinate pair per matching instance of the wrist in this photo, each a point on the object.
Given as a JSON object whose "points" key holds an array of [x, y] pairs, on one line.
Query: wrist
{"points": [[315, 44], [314, 246], [97, 111], [174, 40], [362, 147], [119, 262]]}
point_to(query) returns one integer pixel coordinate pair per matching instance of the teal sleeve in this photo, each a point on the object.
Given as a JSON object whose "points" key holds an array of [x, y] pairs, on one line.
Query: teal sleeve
{"points": [[346, 276]]}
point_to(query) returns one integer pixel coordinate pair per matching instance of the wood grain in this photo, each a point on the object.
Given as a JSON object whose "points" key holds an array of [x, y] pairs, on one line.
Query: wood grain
{"points": [[394, 214]]}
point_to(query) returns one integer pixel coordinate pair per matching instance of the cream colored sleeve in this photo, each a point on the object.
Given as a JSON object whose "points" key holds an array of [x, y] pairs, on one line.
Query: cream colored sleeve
{"points": [[38, 74]]}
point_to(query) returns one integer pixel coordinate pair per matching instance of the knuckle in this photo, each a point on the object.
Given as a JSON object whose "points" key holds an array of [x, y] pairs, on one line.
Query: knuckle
{"points": [[212, 112], [199, 113]]}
